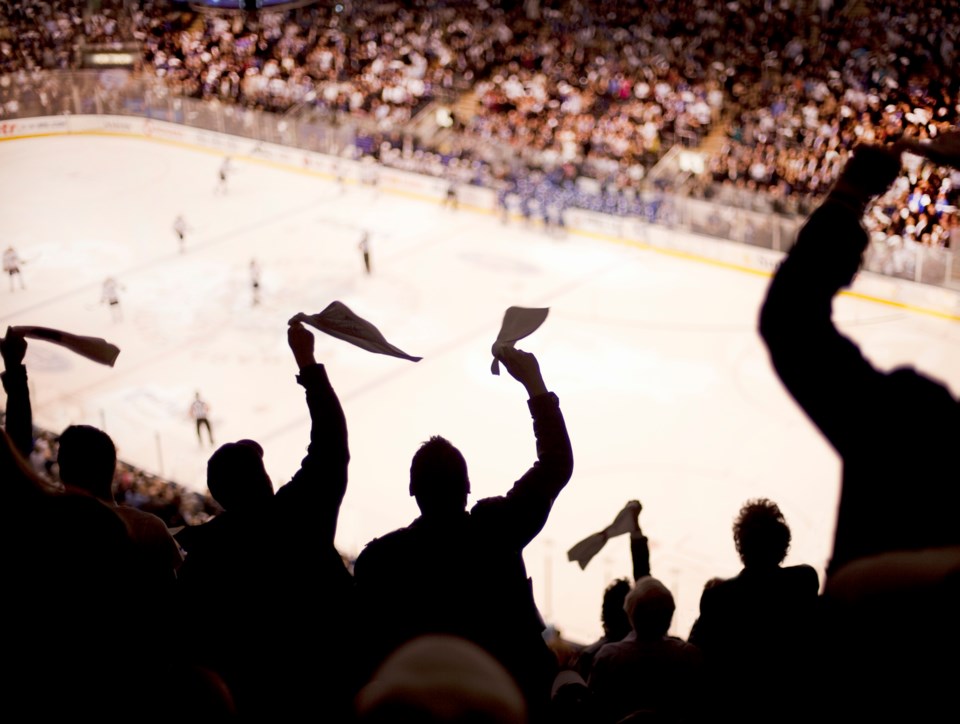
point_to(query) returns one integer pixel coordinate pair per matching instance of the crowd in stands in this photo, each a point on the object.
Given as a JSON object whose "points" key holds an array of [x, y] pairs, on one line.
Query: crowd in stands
{"points": [[598, 89], [921, 207], [45, 34], [609, 86], [374, 65], [818, 85]]}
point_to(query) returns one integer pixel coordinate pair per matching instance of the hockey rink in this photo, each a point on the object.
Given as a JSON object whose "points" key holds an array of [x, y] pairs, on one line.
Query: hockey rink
{"points": [[666, 388]]}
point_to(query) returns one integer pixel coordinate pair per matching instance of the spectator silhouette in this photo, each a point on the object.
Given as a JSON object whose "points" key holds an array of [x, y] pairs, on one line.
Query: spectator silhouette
{"points": [[75, 566], [87, 460], [616, 624], [266, 569], [851, 401], [75, 591], [73, 563], [648, 674], [757, 627], [462, 572], [442, 679], [893, 578], [80, 560]]}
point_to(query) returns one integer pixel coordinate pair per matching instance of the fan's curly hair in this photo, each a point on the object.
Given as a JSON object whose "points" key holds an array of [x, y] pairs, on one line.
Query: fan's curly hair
{"points": [[616, 625], [761, 533]]}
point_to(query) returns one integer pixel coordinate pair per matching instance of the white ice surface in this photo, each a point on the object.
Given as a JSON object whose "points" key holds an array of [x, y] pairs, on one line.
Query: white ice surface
{"points": [[665, 385]]}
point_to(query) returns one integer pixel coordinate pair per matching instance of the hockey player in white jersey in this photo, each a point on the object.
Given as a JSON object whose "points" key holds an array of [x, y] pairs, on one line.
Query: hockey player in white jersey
{"points": [[226, 169], [11, 265], [364, 247], [255, 281], [111, 297], [200, 412], [180, 228]]}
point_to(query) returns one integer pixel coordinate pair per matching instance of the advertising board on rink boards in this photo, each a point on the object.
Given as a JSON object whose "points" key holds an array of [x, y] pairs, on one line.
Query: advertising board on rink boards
{"points": [[22, 127], [412, 183]]}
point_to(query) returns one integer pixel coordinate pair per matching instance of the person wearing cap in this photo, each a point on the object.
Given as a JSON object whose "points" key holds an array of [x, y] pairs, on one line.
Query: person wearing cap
{"points": [[265, 572], [461, 572]]}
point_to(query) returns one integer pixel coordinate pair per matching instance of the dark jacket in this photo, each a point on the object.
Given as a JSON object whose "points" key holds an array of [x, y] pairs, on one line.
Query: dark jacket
{"points": [[758, 633], [895, 431], [760, 615], [465, 574], [271, 583], [640, 555]]}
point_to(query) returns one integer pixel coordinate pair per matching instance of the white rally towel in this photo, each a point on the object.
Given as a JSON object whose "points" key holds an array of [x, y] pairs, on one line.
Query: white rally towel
{"points": [[93, 348], [586, 549], [339, 321], [518, 322]]}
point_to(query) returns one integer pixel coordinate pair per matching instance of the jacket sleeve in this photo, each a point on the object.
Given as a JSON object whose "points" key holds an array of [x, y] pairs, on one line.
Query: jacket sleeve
{"points": [[823, 370], [19, 415], [316, 491], [702, 634], [640, 555], [518, 516]]}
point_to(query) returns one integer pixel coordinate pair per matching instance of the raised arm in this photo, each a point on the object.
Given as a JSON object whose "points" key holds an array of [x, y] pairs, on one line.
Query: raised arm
{"points": [[823, 370], [19, 415], [522, 513], [639, 546], [317, 489]]}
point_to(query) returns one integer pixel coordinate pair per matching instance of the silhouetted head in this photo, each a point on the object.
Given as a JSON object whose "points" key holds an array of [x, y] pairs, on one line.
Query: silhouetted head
{"points": [[236, 476], [438, 477], [616, 625], [87, 459], [441, 678], [761, 534], [650, 607]]}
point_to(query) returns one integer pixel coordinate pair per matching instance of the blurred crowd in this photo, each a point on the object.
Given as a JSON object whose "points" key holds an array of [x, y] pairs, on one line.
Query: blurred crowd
{"points": [[600, 90]]}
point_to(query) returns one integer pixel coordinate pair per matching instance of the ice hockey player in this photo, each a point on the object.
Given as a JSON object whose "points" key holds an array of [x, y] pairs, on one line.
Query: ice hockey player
{"points": [[225, 169], [200, 412], [11, 265], [111, 297], [255, 281], [364, 247], [180, 228]]}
